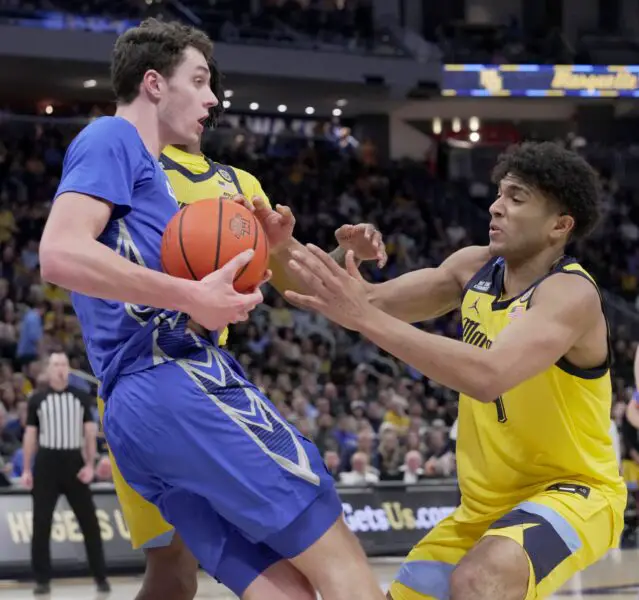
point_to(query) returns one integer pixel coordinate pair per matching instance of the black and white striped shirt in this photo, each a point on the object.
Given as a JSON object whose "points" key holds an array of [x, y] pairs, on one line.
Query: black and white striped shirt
{"points": [[60, 417]]}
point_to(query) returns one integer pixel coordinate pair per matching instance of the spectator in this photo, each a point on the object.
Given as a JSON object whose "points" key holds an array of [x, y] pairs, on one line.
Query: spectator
{"points": [[440, 460], [396, 414], [389, 455], [365, 445], [332, 462], [345, 432], [15, 427], [9, 443], [31, 331], [412, 468], [360, 473]]}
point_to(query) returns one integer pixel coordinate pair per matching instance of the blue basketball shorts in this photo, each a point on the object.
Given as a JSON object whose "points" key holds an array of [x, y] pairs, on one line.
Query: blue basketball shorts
{"points": [[243, 487]]}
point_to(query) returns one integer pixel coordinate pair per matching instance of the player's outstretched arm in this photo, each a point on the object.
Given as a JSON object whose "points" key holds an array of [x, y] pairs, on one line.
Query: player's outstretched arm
{"points": [[429, 293], [71, 257], [565, 307]]}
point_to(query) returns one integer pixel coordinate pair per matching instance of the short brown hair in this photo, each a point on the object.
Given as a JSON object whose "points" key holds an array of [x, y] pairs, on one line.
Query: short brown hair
{"points": [[152, 45]]}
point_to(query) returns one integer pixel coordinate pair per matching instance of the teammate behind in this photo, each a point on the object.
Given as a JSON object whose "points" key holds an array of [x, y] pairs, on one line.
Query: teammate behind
{"points": [[171, 569], [248, 494], [542, 497]]}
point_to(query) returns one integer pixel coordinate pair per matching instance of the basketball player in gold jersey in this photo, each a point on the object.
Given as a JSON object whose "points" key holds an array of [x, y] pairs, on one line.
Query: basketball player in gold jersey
{"points": [[542, 497], [171, 569]]}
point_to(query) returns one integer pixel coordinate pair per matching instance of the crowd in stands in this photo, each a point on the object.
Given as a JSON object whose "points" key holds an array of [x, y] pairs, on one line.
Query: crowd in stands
{"points": [[329, 25], [373, 418]]}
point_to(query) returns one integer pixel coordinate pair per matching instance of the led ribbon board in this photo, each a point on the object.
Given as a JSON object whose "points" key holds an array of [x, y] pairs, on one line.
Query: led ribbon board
{"points": [[591, 81]]}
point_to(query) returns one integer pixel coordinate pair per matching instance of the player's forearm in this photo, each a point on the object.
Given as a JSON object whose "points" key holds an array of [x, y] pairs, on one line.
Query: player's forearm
{"points": [[416, 296], [28, 448], [90, 268], [90, 444], [456, 365], [284, 278]]}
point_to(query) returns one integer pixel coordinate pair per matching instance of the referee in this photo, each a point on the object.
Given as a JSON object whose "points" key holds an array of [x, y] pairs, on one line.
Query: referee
{"points": [[60, 421]]}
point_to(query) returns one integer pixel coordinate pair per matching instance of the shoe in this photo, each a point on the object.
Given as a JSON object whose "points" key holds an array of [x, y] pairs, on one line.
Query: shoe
{"points": [[42, 589], [104, 587]]}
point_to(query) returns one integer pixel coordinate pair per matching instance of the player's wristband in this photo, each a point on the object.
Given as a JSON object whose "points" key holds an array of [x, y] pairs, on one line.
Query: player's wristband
{"points": [[635, 396]]}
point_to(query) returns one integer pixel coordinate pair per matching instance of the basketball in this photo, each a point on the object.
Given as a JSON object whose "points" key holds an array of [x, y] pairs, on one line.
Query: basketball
{"points": [[202, 237]]}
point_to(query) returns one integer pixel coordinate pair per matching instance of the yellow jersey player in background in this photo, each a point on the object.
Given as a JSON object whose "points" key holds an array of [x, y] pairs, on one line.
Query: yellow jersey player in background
{"points": [[542, 497], [171, 569]]}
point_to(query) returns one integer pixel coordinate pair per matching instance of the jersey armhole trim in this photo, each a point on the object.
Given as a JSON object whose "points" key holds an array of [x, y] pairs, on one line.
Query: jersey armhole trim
{"points": [[563, 363]]}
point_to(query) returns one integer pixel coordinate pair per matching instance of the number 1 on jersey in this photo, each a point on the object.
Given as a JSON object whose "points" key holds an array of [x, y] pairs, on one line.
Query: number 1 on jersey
{"points": [[501, 410]]}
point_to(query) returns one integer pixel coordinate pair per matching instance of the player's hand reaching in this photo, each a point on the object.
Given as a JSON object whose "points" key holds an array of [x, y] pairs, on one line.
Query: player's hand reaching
{"points": [[278, 224], [215, 303], [339, 294], [365, 241]]}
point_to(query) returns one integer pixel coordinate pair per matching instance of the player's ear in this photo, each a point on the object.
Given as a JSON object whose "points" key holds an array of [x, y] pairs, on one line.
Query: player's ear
{"points": [[564, 225], [152, 84]]}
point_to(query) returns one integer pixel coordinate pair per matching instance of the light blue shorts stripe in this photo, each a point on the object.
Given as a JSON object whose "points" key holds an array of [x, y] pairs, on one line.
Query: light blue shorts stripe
{"points": [[427, 577], [565, 530], [161, 541]]}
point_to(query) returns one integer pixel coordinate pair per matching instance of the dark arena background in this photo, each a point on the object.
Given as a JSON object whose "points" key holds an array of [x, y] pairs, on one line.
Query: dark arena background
{"points": [[385, 111]]}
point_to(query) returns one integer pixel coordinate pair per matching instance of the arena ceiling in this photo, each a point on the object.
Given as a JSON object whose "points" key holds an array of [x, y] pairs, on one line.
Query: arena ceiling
{"points": [[48, 80]]}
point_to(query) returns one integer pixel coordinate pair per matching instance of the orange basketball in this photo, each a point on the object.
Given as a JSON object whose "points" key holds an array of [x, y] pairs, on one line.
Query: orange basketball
{"points": [[202, 237]]}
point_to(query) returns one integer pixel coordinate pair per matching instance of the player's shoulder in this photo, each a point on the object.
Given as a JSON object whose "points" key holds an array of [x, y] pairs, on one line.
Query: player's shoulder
{"points": [[108, 138], [569, 290], [470, 264], [110, 129]]}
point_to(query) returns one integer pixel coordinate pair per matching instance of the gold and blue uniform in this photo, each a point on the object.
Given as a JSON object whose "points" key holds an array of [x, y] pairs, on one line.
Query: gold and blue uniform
{"points": [[193, 178], [537, 465]]}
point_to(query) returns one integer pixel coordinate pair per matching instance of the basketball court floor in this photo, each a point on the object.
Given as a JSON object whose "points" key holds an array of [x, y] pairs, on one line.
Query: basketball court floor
{"points": [[615, 577]]}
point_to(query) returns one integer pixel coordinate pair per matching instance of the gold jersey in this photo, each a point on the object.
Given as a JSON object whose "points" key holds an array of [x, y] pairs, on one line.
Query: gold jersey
{"points": [[195, 177], [551, 429]]}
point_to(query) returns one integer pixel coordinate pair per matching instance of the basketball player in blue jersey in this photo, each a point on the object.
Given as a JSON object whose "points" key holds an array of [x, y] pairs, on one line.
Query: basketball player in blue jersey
{"points": [[171, 570], [250, 497], [541, 493]]}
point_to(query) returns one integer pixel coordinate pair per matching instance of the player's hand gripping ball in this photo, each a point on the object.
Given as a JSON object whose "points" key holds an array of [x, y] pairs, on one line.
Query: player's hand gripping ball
{"points": [[202, 237]]}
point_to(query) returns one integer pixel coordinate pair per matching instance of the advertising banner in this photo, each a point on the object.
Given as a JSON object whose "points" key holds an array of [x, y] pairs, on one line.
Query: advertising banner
{"points": [[387, 520]]}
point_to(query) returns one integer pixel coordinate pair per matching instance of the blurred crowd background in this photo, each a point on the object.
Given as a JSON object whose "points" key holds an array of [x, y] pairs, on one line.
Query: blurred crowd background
{"points": [[373, 418]]}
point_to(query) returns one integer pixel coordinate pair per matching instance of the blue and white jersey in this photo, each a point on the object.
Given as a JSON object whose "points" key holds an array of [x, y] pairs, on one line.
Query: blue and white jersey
{"points": [[108, 160]]}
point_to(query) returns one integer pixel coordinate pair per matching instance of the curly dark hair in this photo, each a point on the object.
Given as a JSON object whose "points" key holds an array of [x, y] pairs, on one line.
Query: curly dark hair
{"points": [[154, 45], [218, 89], [560, 174]]}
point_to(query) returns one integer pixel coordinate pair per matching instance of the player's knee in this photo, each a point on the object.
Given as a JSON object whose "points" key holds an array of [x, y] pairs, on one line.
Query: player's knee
{"points": [[496, 567], [171, 583], [172, 572], [468, 581], [281, 581]]}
